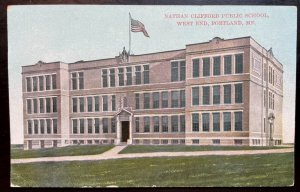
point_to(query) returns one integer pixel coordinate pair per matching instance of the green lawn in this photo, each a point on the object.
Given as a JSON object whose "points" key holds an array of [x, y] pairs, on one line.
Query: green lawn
{"points": [[181, 148], [204, 171], [62, 151]]}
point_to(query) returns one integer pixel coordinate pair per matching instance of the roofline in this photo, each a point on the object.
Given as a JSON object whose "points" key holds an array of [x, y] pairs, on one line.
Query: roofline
{"points": [[223, 40]]}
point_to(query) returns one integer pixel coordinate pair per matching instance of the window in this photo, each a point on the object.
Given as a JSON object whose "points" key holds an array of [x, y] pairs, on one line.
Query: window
{"points": [[112, 77], [217, 65], [54, 81], [196, 67], [195, 122], [137, 101], [34, 105], [96, 98], [138, 78], [182, 123], [29, 110], [35, 83], [42, 126], [216, 94], [146, 100], [97, 125], [29, 126], [239, 63], [121, 76], [105, 125], [42, 107], [137, 124], [104, 103], [81, 104], [182, 70], [113, 102], [155, 100], [146, 74], [54, 121], [174, 71], [146, 124], [48, 121], [113, 125], [238, 142], [195, 141], [74, 104], [195, 94], [36, 126], [227, 121], [164, 99], [238, 124], [81, 121], [175, 99], [164, 122], [156, 124], [227, 64], [73, 79], [206, 96], [28, 84], [182, 98], [216, 121], [90, 104], [206, 67], [174, 123], [77, 78], [104, 78], [264, 125], [48, 105], [41, 83], [227, 94], [238, 93], [205, 122], [216, 141], [265, 98], [81, 84], [129, 76], [90, 125], [54, 104]]}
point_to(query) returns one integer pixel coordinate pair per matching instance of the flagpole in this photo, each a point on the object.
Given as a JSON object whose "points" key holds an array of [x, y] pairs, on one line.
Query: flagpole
{"points": [[129, 34]]}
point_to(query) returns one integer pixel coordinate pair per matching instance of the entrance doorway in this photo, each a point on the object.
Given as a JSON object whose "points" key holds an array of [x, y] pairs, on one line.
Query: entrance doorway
{"points": [[125, 131]]}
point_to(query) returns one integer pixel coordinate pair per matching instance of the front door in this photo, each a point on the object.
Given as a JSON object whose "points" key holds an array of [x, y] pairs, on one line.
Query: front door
{"points": [[125, 131]]}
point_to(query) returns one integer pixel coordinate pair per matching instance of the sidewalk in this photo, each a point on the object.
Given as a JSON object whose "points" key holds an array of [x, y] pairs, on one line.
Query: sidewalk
{"points": [[113, 154]]}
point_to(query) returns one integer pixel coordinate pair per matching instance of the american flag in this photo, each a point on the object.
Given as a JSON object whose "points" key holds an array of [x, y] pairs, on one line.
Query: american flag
{"points": [[137, 26]]}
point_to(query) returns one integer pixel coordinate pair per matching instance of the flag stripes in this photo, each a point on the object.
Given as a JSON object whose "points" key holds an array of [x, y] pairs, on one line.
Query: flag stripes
{"points": [[137, 26]]}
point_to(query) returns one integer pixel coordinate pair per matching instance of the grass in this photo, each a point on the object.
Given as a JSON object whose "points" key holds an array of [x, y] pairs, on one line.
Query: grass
{"points": [[56, 152], [204, 171], [182, 148]]}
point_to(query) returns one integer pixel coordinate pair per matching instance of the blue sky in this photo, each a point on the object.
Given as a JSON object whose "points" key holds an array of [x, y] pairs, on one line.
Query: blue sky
{"points": [[72, 33]]}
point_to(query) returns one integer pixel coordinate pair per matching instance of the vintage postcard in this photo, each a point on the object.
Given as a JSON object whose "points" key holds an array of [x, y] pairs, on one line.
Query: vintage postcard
{"points": [[152, 96]]}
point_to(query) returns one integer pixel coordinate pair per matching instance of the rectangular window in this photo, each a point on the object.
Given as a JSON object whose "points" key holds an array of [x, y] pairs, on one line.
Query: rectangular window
{"points": [[216, 94], [81, 104], [48, 108], [238, 142], [105, 125], [81, 80], [29, 126], [121, 76], [146, 100], [74, 104], [36, 126], [113, 102], [138, 78], [29, 110], [227, 64], [104, 78], [182, 98], [174, 71], [48, 121], [238, 93], [104, 103], [137, 101], [206, 67], [175, 99], [97, 125], [196, 68], [34, 105], [227, 94], [28, 84], [113, 125], [146, 74], [174, 123], [164, 123], [216, 141], [182, 123], [205, 122], [41, 83], [156, 124], [146, 124], [216, 121], [195, 95], [90, 125], [155, 100], [129, 76], [112, 77], [137, 124], [217, 65], [75, 126], [54, 104], [74, 81], [35, 83], [265, 98], [206, 96], [227, 121], [96, 98], [90, 104], [195, 122], [238, 124], [54, 81], [182, 70], [42, 126], [239, 63], [81, 121], [54, 121], [165, 103]]}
